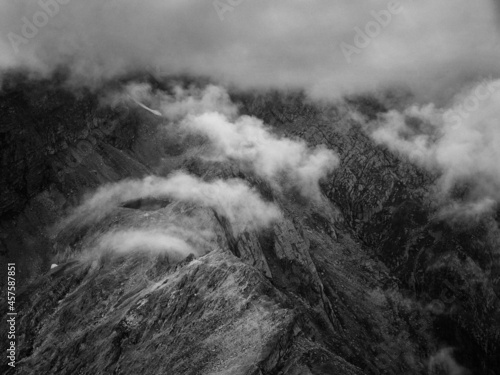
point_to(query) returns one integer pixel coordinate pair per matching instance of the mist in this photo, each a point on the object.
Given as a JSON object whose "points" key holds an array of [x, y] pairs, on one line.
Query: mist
{"points": [[430, 47], [458, 142], [148, 241], [281, 161], [275, 159], [234, 199], [181, 102], [443, 362]]}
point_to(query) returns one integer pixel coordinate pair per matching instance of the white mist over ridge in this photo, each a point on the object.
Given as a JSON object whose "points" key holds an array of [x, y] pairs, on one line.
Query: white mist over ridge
{"points": [[460, 142], [249, 141], [182, 101], [284, 163], [443, 362], [148, 241], [234, 199], [281, 161], [187, 236], [176, 231], [429, 46]]}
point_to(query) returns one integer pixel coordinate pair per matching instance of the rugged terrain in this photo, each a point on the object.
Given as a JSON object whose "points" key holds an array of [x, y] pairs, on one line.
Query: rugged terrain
{"points": [[365, 281]]}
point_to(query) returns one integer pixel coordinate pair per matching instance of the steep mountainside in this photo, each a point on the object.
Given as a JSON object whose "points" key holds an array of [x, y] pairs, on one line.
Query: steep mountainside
{"points": [[364, 281]]}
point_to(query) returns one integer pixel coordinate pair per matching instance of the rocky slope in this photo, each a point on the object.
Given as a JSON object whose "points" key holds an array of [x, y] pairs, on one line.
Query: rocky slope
{"points": [[366, 281]]}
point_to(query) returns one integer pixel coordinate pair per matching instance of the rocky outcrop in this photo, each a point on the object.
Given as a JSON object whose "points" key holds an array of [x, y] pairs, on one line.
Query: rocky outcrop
{"points": [[363, 282], [56, 145], [451, 269]]}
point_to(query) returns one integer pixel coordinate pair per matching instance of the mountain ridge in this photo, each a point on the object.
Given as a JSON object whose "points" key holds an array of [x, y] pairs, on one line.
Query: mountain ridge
{"points": [[345, 285]]}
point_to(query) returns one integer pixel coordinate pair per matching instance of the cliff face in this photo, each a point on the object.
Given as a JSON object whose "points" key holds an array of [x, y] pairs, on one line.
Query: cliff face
{"points": [[363, 281]]}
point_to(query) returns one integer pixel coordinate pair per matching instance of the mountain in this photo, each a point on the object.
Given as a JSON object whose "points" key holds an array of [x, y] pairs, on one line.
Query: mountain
{"points": [[364, 279]]}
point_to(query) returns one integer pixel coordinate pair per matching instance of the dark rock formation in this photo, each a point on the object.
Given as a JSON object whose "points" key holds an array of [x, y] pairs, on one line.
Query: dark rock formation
{"points": [[363, 282]]}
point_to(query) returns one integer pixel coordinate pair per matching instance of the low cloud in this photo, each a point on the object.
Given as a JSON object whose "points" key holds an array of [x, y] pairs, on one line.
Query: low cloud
{"points": [[176, 237], [443, 363], [234, 199], [460, 142], [429, 46], [468, 210], [245, 139], [182, 102], [250, 142], [145, 241]]}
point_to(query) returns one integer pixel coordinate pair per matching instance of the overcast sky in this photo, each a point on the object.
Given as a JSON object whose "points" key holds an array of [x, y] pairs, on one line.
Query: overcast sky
{"points": [[432, 46]]}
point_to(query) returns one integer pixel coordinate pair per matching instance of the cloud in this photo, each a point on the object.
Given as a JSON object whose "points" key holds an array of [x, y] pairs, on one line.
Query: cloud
{"points": [[148, 241], [460, 142], [187, 236], [247, 140], [181, 101], [469, 210], [443, 361], [208, 112], [235, 200], [429, 46], [193, 101], [177, 237]]}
